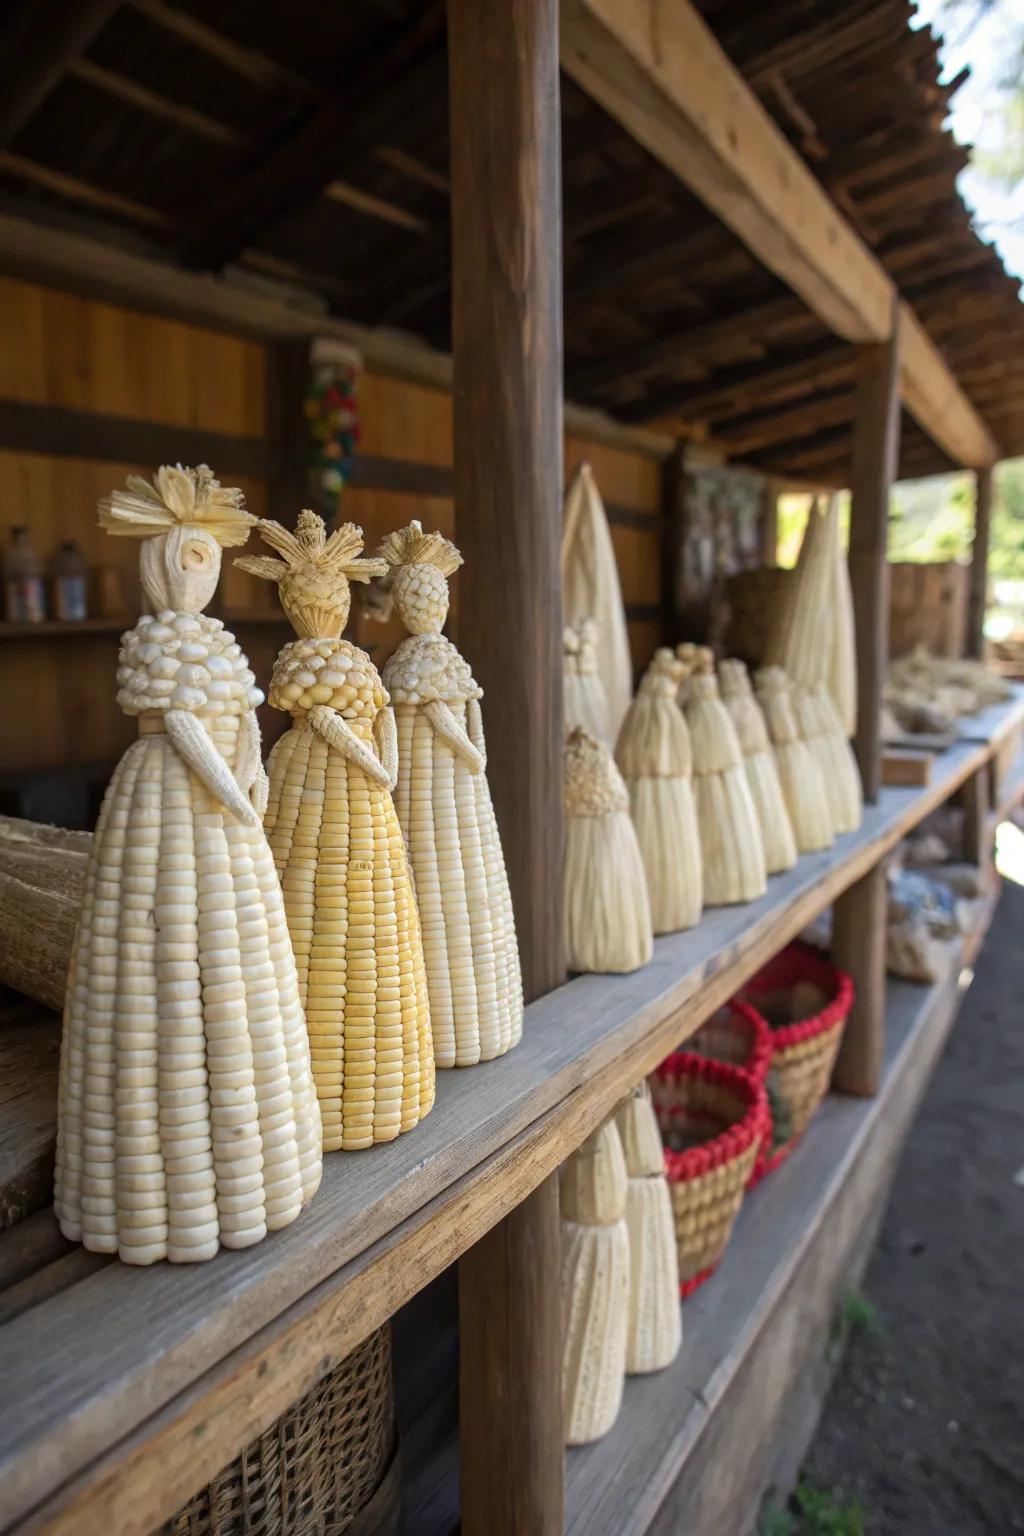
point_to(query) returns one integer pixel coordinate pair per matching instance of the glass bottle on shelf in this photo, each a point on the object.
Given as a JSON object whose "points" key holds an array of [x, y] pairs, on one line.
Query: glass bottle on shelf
{"points": [[24, 588], [70, 582]]}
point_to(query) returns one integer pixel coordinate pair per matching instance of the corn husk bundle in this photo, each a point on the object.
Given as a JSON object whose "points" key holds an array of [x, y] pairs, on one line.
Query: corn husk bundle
{"points": [[584, 700], [607, 910], [656, 761], [339, 849], [812, 635], [595, 1285], [929, 693], [447, 818], [655, 1319], [803, 788], [759, 764], [732, 848], [187, 1116], [821, 728], [591, 589]]}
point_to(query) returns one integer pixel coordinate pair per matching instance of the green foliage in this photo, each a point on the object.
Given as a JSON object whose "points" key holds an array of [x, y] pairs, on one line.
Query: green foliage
{"points": [[857, 1314], [813, 1511], [775, 1521], [825, 1512]]}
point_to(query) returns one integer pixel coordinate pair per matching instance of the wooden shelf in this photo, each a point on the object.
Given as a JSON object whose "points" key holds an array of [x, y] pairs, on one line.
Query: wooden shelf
{"points": [[250, 1330], [995, 724], [695, 1446]]}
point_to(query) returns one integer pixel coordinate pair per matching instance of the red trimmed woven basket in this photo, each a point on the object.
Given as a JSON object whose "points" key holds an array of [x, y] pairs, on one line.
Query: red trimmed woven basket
{"points": [[805, 1001], [737, 1034], [713, 1119]]}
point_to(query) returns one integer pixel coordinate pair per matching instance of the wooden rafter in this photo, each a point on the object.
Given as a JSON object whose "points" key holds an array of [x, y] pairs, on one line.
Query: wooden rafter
{"points": [[199, 123], [347, 125], [46, 36], [655, 66]]}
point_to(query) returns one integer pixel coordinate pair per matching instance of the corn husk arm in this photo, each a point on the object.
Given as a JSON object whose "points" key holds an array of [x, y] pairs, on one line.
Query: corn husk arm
{"points": [[475, 729], [337, 732], [447, 727], [249, 769], [196, 749], [385, 733]]}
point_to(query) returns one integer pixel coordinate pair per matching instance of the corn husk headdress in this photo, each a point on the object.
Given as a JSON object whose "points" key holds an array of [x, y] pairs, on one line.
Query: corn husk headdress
{"points": [[177, 497], [314, 571], [411, 546]]}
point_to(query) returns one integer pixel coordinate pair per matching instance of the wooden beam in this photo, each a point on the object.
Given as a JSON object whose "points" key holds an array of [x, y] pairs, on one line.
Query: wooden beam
{"points": [[44, 38], [58, 429], [875, 455], [729, 391], [978, 592], [936, 401], [656, 67], [507, 357], [129, 90], [253, 65]]}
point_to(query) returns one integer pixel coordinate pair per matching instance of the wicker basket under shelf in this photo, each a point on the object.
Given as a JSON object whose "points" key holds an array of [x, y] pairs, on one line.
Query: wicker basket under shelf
{"points": [[713, 1120], [326, 1468], [805, 1001]]}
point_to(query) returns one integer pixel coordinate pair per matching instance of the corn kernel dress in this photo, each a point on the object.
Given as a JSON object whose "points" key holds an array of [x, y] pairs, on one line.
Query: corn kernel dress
{"points": [[445, 811], [187, 1116], [338, 847]]}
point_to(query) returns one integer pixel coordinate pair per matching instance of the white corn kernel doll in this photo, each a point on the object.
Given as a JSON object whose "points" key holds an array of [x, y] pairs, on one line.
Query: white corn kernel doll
{"points": [[444, 807], [187, 1115], [338, 847]]}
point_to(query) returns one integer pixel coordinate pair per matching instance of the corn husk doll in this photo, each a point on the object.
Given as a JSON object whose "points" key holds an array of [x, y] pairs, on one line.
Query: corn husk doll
{"points": [[759, 763], [655, 1318], [187, 1116], [799, 772], [584, 701], [591, 589], [595, 1285], [607, 909], [731, 844], [655, 759], [819, 724], [336, 840], [445, 811]]}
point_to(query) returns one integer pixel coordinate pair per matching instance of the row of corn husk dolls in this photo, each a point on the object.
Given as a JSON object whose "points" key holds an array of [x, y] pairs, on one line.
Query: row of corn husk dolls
{"points": [[255, 980], [712, 788]]}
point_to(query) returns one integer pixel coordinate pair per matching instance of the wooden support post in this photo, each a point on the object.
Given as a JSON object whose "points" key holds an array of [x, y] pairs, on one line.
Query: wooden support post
{"points": [[875, 448], [858, 944], [976, 799], [977, 599], [507, 393]]}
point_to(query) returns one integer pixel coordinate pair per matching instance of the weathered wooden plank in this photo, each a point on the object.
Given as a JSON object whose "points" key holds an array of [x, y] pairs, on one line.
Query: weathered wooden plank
{"points": [[978, 595], [42, 870], [692, 1445], [29, 1062], [77, 1387], [936, 401], [507, 397]]}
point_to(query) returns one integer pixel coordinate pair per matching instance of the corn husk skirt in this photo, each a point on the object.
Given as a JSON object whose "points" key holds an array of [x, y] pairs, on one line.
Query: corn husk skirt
{"points": [[469, 937], [187, 1115], [352, 915], [675, 885]]}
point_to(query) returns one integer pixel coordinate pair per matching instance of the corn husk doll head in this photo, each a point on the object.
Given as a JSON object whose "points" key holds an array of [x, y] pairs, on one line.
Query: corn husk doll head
{"points": [[313, 572], [186, 517], [585, 700], [420, 564]]}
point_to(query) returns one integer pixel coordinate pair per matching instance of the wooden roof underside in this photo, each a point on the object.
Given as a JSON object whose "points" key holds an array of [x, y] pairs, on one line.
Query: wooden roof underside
{"points": [[309, 143]]}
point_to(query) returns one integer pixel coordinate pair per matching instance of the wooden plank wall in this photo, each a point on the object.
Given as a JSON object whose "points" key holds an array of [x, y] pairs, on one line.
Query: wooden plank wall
{"points": [[928, 607], [80, 354]]}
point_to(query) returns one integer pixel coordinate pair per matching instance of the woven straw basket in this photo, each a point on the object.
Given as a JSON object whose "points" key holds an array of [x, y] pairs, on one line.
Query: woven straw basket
{"points": [[713, 1119], [327, 1467], [805, 1001]]}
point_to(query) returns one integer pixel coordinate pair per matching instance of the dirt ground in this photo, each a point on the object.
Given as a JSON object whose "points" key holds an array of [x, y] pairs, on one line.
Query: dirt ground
{"points": [[924, 1429]]}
